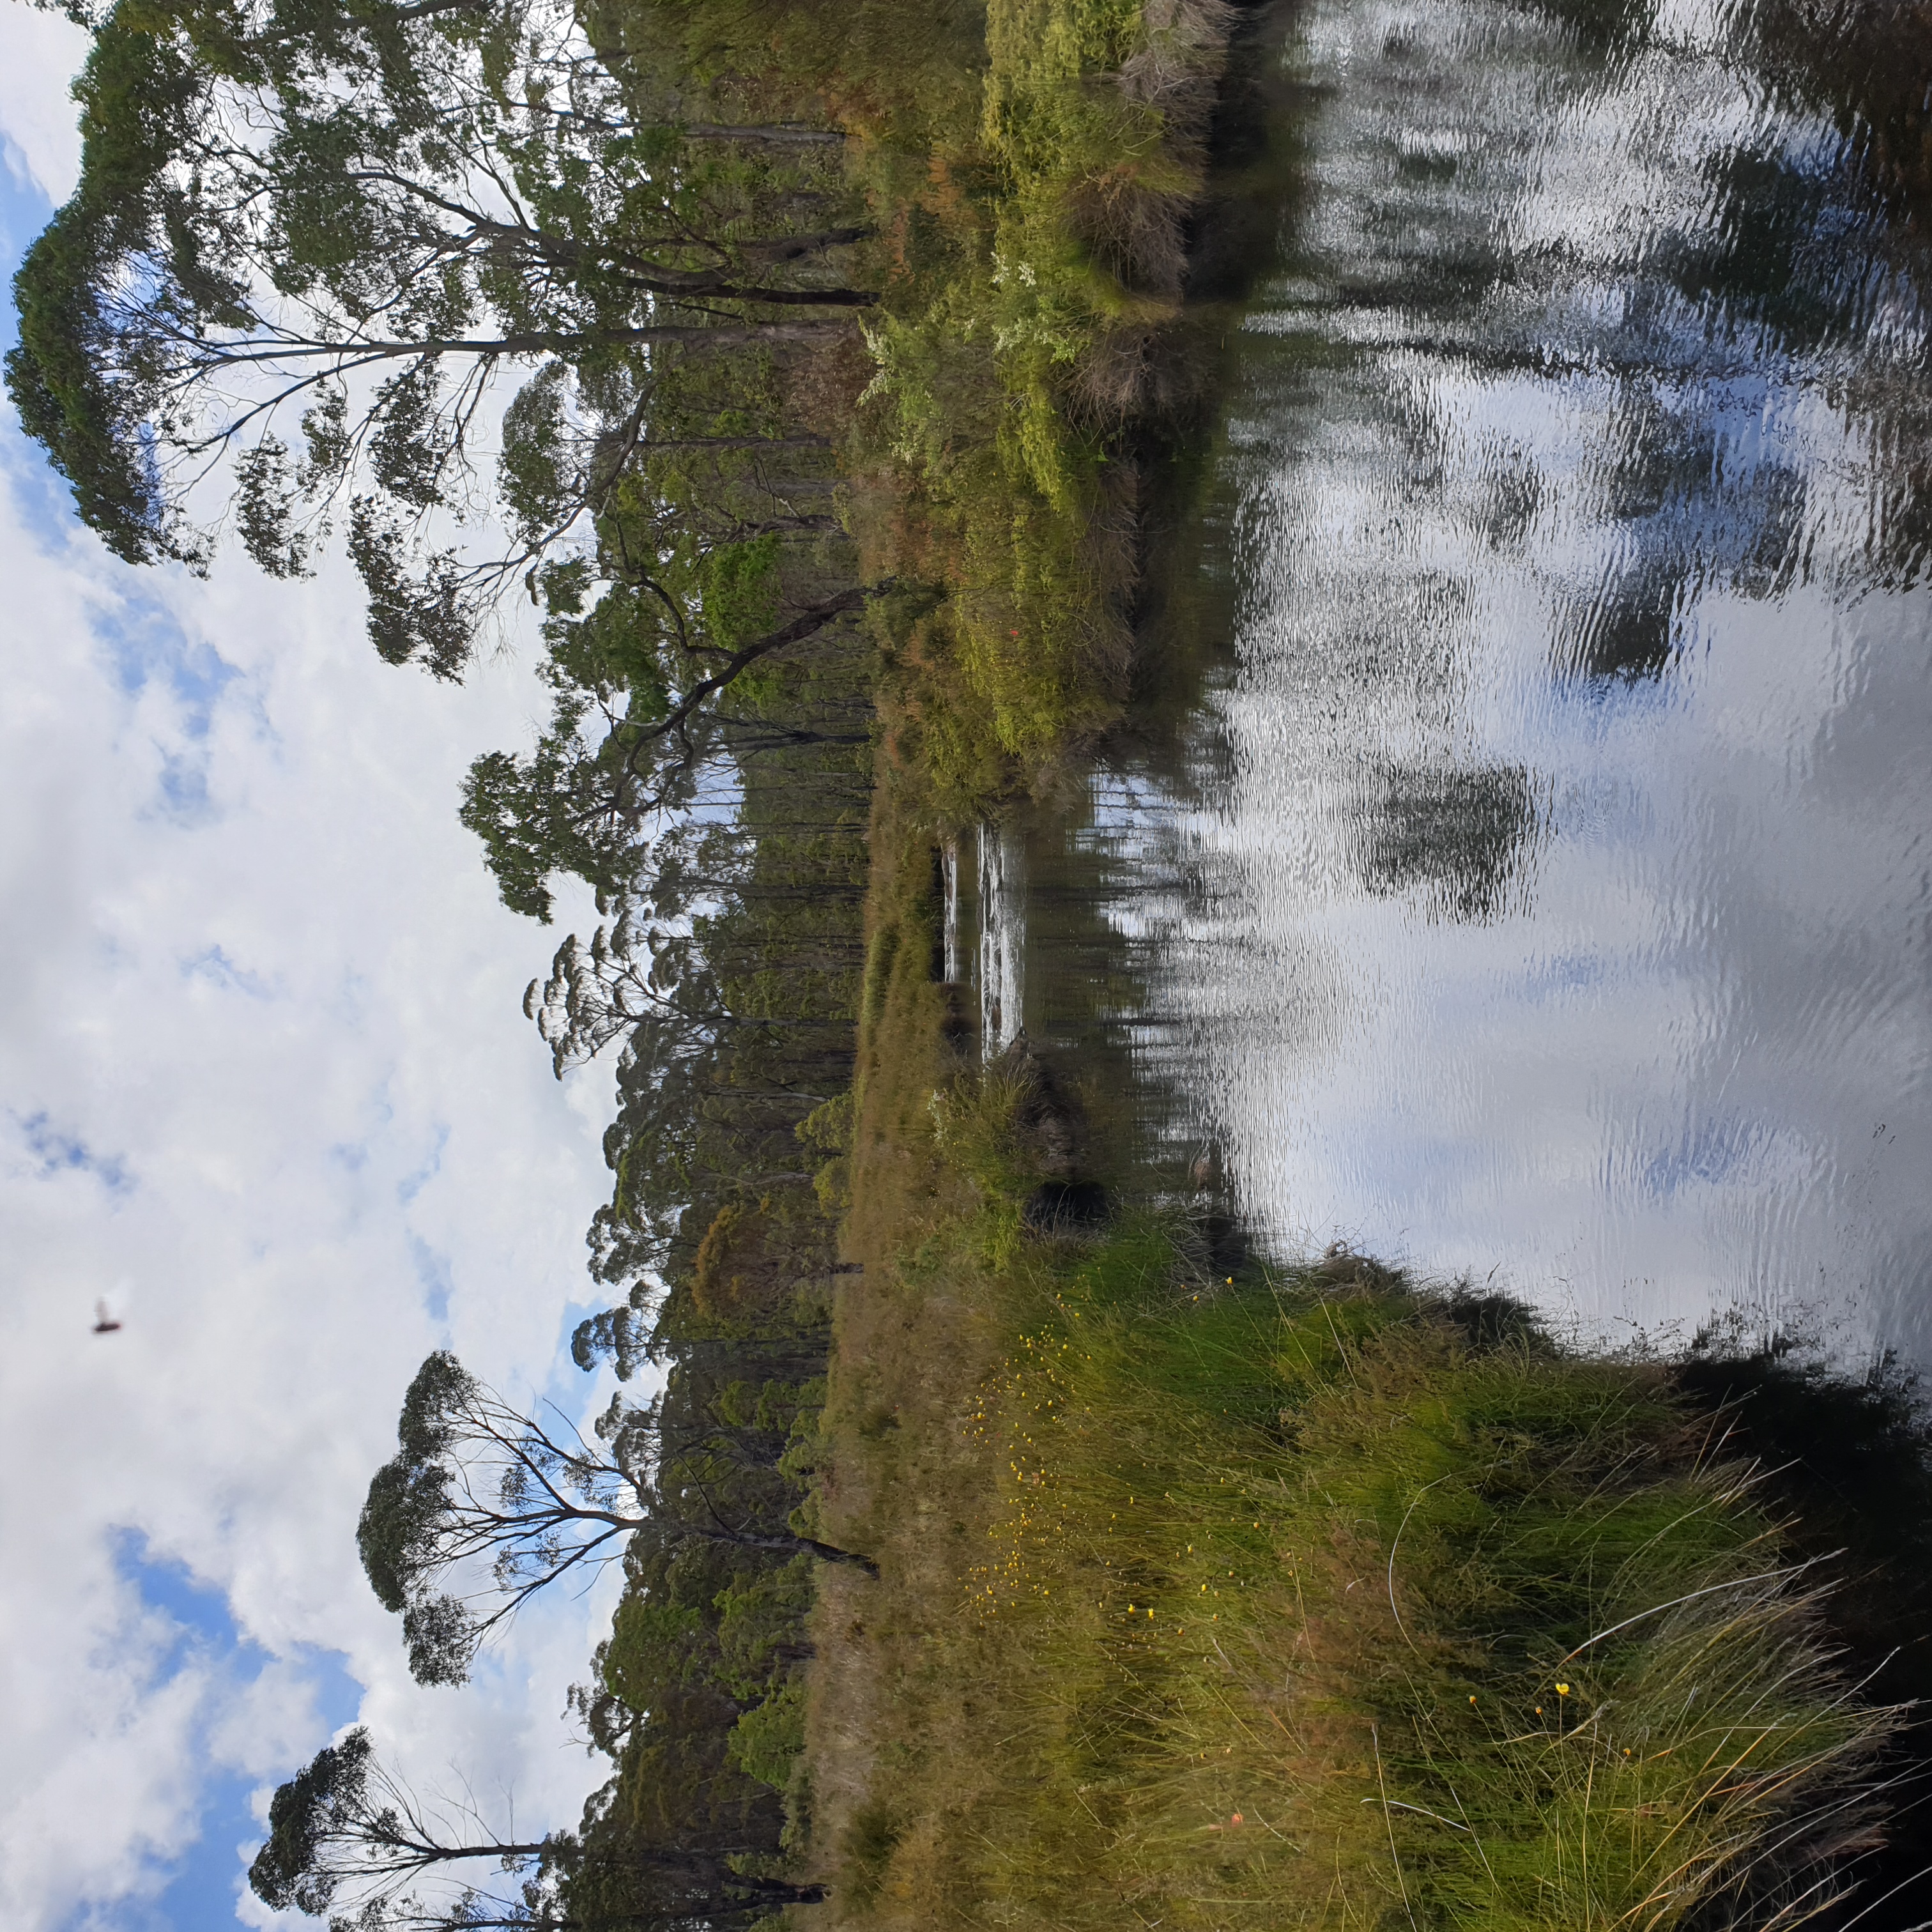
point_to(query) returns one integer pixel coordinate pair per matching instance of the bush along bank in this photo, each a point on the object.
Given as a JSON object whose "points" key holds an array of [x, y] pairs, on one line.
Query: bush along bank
{"points": [[1030, 350]]}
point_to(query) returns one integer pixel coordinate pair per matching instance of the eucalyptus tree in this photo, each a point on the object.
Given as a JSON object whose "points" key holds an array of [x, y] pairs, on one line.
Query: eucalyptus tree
{"points": [[309, 242], [719, 1073], [644, 721], [345, 1824], [661, 966], [483, 1506], [349, 1840]]}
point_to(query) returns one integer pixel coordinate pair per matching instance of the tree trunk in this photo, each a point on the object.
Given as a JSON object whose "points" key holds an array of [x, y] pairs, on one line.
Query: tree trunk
{"points": [[799, 1546], [773, 137]]}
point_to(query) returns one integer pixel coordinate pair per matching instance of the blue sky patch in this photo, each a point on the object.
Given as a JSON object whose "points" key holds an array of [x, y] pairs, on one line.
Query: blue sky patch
{"points": [[215, 966], [433, 1274], [200, 1888], [57, 1151], [411, 1185]]}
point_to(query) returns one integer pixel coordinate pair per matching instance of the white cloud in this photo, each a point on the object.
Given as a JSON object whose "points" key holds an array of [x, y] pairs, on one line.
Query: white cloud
{"points": [[264, 1084], [41, 143]]}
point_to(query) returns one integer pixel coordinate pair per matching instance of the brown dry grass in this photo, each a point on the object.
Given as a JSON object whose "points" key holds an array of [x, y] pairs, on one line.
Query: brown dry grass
{"points": [[906, 1484]]}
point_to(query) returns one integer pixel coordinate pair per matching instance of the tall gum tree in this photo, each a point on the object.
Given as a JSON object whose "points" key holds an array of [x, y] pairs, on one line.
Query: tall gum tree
{"points": [[349, 1840], [309, 242], [486, 1499]]}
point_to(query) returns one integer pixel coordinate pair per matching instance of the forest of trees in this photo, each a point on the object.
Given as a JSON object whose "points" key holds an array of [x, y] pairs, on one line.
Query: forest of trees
{"points": [[516, 315], [680, 326], [729, 991], [727, 982]]}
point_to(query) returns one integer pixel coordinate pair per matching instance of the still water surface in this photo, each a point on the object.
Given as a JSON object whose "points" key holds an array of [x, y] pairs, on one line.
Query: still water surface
{"points": [[1545, 887]]}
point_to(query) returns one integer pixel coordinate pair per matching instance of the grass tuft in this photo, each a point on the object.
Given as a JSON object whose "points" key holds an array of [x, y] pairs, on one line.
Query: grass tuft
{"points": [[1314, 1611]]}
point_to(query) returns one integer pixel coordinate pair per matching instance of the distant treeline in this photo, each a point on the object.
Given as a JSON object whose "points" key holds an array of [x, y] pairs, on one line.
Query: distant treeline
{"points": [[728, 982], [733, 1082]]}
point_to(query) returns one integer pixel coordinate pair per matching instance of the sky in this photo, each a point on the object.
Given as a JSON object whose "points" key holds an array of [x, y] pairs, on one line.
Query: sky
{"points": [[266, 1090]]}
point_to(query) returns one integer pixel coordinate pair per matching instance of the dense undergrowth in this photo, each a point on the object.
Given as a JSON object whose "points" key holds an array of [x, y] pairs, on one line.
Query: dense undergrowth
{"points": [[1296, 1603], [1028, 171], [1025, 350], [1297, 1607]]}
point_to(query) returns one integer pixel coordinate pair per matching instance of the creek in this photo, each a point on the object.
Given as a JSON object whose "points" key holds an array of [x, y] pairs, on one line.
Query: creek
{"points": [[1536, 884]]}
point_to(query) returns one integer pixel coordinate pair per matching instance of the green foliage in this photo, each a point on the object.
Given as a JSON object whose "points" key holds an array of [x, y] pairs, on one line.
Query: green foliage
{"points": [[135, 97], [404, 1527], [760, 1626], [1313, 1600], [766, 1742], [1017, 376], [536, 489], [1028, 171], [553, 811], [617, 646], [973, 1128], [738, 591], [288, 1871], [656, 1646], [401, 1527], [479, 1487], [282, 206], [700, 1652], [828, 1127]]}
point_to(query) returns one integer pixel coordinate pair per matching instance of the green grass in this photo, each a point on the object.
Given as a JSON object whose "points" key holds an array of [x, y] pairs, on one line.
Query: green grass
{"points": [[1301, 1599], [1325, 1611]]}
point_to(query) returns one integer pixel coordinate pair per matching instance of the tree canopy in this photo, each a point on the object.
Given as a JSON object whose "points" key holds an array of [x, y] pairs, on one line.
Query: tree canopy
{"points": [[346, 1832], [309, 240], [484, 1498], [344, 1823]]}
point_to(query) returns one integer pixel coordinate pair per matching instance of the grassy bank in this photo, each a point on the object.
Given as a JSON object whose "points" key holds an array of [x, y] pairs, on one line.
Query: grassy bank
{"points": [[1027, 350], [1308, 1597], [1305, 1598], [1300, 1598]]}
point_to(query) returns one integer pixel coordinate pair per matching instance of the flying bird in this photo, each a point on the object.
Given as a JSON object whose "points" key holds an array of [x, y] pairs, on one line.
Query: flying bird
{"points": [[104, 1324]]}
